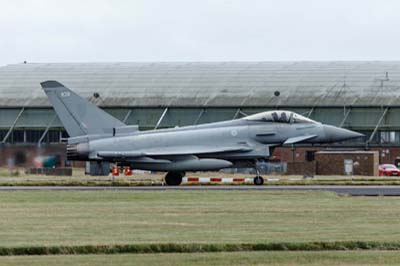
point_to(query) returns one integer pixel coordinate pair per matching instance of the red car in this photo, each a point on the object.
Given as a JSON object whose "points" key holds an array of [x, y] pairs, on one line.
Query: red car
{"points": [[388, 170]]}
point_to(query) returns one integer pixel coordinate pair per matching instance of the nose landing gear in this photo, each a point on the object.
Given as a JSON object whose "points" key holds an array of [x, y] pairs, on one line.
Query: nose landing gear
{"points": [[258, 180]]}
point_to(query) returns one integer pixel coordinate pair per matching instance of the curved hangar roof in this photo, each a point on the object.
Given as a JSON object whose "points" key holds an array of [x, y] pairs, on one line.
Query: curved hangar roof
{"points": [[250, 84]]}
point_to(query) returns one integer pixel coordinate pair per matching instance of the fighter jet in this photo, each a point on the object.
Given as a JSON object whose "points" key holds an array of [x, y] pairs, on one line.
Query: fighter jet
{"points": [[94, 135]]}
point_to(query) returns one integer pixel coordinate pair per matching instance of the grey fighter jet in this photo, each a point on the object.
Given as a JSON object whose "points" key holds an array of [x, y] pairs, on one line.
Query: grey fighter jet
{"points": [[97, 136]]}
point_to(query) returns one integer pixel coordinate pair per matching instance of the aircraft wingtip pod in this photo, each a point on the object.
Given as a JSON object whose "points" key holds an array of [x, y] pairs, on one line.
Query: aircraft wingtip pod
{"points": [[51, 84]]}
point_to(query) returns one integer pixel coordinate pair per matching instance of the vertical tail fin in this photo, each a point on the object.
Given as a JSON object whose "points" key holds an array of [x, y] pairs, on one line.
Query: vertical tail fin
{"points": [[78, 116]]}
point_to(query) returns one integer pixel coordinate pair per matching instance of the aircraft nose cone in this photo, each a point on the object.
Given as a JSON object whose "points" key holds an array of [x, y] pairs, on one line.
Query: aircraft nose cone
{"points": [[334, 134]]}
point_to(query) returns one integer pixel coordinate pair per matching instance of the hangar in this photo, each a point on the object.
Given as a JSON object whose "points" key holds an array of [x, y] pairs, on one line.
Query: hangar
{"points": [[361, 96]]}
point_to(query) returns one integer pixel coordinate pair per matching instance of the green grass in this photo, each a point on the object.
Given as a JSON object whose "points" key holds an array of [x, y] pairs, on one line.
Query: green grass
{"points": [[336, 258], [76, 218]]}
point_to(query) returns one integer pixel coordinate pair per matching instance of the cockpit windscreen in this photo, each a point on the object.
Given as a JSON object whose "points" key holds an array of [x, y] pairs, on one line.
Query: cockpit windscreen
{"points": [[279, 117]]}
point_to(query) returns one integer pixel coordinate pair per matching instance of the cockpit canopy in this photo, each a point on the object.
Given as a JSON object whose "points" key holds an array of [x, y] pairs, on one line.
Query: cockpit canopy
{"points": [[279, 117]]}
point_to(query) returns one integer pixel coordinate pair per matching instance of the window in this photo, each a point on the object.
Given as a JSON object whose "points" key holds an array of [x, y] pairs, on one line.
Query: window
{"points": [[389, 137], [17, 136], [53, 136], [310, 156], [3, 134], [33, 136]]}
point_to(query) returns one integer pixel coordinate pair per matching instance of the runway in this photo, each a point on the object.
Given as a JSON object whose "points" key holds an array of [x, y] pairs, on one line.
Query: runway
{"points": [[349, 190]]}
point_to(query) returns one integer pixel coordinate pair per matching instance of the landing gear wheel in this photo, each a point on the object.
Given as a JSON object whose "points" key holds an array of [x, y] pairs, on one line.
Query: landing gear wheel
{"points": [[174, 178], [258, 180]]}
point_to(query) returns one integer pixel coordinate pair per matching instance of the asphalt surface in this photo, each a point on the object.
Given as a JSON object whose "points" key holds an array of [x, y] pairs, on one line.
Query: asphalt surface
{"points": [[350, 190]]}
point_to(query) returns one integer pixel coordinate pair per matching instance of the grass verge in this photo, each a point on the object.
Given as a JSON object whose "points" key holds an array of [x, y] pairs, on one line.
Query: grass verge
{"points": [[197, 248]]}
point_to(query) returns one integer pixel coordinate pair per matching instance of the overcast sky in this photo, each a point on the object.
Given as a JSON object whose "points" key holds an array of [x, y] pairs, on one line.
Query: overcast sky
{"points": [[198, 30]]}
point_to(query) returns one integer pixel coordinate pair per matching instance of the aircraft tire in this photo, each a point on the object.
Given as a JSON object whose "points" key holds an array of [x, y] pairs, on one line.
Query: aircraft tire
{"points": [[258, 180], [173, 178]]}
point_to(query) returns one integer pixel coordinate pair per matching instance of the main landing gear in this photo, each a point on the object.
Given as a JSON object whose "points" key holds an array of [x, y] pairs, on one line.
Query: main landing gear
{"points": [[258, 180], [174, 178]]}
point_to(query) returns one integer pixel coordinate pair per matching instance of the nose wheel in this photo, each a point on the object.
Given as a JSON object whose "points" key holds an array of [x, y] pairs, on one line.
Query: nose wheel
{"points": [[258, 180]]}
